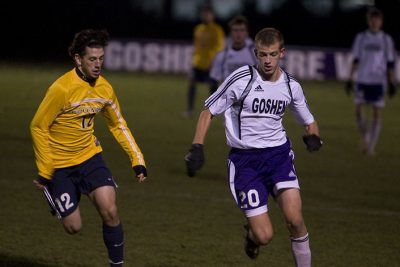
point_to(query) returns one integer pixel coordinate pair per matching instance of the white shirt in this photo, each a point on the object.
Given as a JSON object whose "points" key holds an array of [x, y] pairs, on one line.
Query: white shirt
{"points": [[229, 59], [254, 108], [373, 51]]}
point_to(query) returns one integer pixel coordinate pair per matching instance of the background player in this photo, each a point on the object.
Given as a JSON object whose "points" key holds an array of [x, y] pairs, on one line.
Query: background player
{"points": [[374, 57], [68, 155], [208, 39], [254, 99], [238, 52]]}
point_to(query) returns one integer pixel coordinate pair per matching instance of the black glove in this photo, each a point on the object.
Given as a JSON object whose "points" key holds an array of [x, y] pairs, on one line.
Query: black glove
{"points": [[194, 159], [349, 87], [313, 142], [392, 90], [140, 169]]}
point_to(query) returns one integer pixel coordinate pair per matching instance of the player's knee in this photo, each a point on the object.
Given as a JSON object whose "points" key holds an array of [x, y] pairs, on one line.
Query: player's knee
{"points": [[263, 237], [295, 225], [110, 215], [72, 228]]}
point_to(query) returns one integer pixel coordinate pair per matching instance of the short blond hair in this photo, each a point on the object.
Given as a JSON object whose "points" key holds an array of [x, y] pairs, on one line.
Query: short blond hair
{"points": [[269, 36]]}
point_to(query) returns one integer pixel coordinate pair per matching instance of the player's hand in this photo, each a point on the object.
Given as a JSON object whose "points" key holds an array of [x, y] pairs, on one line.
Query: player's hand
{"points": [[141, 172], [313, 142], [392, 90], [349, 87], [41, 182], [194, 159]]}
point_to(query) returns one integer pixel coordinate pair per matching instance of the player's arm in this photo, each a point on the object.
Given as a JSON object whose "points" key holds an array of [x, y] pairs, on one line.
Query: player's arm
{"points": [[195, 158], [311, 139], [119, 129], [303, 116], [220, 39], [391, 58], [227, 94], [356, 54], [51, 105]]}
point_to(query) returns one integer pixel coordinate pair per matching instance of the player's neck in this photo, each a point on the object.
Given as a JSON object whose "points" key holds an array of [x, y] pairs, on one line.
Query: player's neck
{"points": [[238, 46], [84, 77], [273, 77]]}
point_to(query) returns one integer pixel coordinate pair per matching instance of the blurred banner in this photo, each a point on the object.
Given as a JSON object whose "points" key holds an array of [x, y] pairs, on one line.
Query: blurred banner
{"points": [[305, 63]]}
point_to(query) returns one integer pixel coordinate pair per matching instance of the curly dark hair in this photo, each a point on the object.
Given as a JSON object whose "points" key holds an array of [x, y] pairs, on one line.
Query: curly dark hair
{"points": [[87, 38]]}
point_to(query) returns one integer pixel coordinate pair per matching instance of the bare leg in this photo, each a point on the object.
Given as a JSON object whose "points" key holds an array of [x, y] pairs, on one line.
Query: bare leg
{"points": [[363, 128], [375, 130], [289, 201], [73, 222], [104, 198]]}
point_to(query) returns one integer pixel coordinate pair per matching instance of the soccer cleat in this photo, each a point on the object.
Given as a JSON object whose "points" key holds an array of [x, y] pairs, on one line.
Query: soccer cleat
{"points": [[250, 247]]}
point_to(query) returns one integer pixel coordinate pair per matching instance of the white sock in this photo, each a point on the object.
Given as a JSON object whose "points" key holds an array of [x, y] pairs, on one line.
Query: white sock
{"points": [[301, 251]]}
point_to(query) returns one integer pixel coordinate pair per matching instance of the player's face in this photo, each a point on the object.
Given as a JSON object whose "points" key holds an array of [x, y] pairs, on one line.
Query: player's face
{"points": [[91, 63], [207, 16], [375, 23], [268, 60], [239, 34]]}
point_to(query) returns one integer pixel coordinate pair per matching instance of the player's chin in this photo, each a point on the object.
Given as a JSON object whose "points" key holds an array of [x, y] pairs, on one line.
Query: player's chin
{"points": [[95, 74]]}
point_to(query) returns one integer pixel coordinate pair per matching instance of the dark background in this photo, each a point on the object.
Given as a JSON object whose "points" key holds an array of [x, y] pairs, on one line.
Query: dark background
{"points": [[42, 30]]}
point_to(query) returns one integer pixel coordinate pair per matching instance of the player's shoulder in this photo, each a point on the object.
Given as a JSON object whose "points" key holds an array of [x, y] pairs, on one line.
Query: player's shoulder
{"points": [[241, 75], [102, 80], [243, 71], [291, 80], [62, 83]]}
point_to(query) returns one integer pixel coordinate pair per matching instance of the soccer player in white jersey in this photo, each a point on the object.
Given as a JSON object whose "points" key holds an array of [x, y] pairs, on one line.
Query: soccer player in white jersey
{"points": [[253, 100], [374, 57], [238, 52]]}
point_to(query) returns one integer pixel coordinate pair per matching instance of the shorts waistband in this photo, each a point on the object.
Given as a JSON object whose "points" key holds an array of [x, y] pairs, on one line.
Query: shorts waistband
{"points": [[285, 146]]}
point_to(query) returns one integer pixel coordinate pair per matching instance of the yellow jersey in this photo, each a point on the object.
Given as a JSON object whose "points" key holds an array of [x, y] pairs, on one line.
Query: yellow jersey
{"points": [[208, 41], [63, 127]]}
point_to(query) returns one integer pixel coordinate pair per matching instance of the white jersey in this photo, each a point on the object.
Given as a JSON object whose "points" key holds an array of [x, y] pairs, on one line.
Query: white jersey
{"points": [[254, 108], [229, 59], [373, 52]]}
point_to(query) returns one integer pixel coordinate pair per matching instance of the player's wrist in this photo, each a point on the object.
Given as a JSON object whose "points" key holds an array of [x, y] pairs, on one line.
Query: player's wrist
{"points": [[139, 169]]}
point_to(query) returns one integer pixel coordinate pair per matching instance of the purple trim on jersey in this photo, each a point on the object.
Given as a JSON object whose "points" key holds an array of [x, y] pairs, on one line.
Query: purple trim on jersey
{"points": [[242, 98], [256, 173], [231, 81]]}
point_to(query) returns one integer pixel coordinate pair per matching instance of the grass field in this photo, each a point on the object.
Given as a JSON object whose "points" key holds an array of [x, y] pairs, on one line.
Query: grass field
{"points": [[351, 201]]}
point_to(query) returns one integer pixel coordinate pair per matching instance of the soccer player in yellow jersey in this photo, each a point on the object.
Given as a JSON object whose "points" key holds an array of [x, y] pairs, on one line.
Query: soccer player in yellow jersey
{"points": [[68, 155], [208, 40]]}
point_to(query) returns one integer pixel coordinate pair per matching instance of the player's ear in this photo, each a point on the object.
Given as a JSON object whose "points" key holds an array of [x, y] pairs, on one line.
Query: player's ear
{"points": [[255, 52], [283, 51], [77, 60]]}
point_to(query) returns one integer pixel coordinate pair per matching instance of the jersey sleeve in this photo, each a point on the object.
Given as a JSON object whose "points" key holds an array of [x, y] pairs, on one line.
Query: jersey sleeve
{"points": [[119, 129], [51, 105], [216, 67], [299, 106], [356, 48], [229, 91]]}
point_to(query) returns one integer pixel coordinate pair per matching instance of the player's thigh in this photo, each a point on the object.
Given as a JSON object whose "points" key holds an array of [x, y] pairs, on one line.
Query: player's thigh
{"points": [[247, 187], [289, 201], [104, 198], [73, 222], [261, 227], [64, 195]]}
